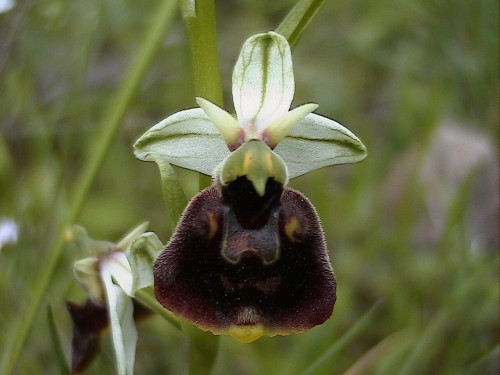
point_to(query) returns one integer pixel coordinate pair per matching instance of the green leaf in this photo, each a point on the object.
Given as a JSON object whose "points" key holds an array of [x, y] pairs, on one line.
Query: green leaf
{"points": [[187, 139], [263, 83], [317, 142], [141, 256], [173, 195], [298, 19]]}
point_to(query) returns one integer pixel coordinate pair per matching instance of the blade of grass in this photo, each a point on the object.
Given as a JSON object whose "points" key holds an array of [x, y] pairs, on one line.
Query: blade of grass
{"points": [[483, 364], [109, 127], [419, 356], [347, 338], [298, 19], [368, 360]]}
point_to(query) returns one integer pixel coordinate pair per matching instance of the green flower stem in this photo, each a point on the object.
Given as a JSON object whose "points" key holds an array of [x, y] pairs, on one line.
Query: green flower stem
{"points": [[109, 125], [297, 20], [203, 350], [199, 20], [145, 296], [203, 345]]}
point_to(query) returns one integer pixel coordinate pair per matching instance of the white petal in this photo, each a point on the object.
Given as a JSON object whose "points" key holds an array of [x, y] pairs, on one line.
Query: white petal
{"points": [[230, 129], [263, 83], [123, 331], [317, 142], [187, 139], [116, 264], [277, 130]]}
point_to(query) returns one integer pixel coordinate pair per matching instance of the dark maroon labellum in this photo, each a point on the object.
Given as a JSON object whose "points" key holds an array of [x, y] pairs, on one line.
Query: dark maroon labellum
{"points": [[238, 259]]}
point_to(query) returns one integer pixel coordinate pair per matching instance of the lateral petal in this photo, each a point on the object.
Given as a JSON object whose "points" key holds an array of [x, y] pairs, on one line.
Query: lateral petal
{"points": [[230, 129], [278, 129]]}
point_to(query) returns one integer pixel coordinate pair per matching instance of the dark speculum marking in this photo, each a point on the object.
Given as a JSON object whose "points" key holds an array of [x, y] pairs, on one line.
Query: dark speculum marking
{"points": [[240, 259], [251, 227]]}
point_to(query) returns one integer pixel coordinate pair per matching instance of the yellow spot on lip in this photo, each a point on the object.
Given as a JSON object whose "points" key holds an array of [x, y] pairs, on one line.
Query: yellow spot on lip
{"points": [[213, 225], [247, 334], [292, 227]]}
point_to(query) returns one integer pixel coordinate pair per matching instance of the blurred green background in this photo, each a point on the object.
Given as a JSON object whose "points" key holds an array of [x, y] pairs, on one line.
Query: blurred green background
{"points": [[412, 230]]}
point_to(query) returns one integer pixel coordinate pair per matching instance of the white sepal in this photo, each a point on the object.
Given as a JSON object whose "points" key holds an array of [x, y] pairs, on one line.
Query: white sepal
{"points": [[317, 142], [187, 139]]}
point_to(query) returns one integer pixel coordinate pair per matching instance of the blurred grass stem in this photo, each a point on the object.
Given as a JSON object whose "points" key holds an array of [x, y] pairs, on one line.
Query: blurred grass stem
{"points": [[361, 325], [109, 127]]}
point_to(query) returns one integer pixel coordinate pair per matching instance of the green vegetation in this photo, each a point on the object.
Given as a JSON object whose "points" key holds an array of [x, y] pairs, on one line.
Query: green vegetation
{"points": [[409, 229]]}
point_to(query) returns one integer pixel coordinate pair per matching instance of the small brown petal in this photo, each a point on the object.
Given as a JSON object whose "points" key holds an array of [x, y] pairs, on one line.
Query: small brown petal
{"points": [[89, 319]]}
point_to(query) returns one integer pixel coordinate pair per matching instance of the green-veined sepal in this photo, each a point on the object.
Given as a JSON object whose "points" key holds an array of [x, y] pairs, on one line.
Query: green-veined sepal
{"points": [[187, 139], [316, 142], [263, 82]]}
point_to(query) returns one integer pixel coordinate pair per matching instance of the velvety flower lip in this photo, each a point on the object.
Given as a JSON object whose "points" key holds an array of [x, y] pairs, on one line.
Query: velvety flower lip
{"points": [[234, 267], [263, 88]]}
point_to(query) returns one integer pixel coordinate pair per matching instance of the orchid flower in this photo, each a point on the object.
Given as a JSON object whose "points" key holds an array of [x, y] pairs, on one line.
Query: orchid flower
{"points": [[111, 277], [248, 257]]}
